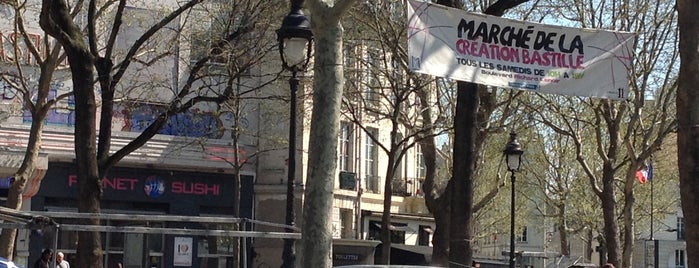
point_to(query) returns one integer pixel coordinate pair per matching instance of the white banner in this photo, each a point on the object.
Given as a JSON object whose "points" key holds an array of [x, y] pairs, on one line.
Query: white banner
{"points": [[500, 52]]}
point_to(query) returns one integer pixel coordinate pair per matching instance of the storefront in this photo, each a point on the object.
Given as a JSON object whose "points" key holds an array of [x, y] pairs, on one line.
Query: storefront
{"points": [[145, 191]]}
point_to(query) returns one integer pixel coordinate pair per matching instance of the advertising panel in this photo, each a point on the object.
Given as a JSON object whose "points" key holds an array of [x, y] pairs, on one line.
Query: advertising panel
{"points": [[500, 52]]}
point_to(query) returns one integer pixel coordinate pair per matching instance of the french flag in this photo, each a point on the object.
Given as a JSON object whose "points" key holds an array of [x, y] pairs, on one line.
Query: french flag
{"points": [[645, 175]]}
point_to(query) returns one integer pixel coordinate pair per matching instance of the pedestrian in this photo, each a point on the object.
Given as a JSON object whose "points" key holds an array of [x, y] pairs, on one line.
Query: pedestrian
{"points": [[61, 261], [43, 261], [608, 265]]}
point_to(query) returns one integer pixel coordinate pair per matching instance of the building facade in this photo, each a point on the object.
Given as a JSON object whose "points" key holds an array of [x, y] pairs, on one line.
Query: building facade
{"points": [[666, 248]]}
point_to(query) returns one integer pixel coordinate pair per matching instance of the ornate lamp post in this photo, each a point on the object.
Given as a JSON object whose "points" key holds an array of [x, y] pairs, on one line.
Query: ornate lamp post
{"points": [[295, 43], [513, 155]]}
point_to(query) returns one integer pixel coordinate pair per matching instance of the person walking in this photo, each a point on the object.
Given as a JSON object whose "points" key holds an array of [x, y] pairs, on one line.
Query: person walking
{"points": [[61, 261], [43, 262]]}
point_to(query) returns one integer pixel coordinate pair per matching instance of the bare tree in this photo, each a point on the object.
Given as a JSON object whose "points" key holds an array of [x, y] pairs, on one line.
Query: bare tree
{"points": [[383, 93], [570, 207], [624, 137], [44, 58], [86, 55]]}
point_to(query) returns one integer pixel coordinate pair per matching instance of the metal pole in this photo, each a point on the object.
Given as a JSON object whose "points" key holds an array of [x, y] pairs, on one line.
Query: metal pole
{"points": [[656, 243], [651, 208], [512, 221], [245, 243], [55, 246], [289, 254]]}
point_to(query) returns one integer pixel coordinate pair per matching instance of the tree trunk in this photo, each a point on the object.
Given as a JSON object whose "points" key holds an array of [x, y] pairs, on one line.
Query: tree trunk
{"points": [[328, 83], [23, 175], [434, 200], [57, 22], [236, 197], [28, 168], [565, 251], [688, 132], [588, 245], [386, 214], [611, 228], [237, 166], [465, 131], [440, 237], [627, 236], [89, 178], [460, 187]]}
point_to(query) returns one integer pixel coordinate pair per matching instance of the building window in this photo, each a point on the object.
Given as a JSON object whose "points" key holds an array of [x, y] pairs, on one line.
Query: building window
{"points": [[374, 230], [419, 162], [371, 161], [349, 52], [398, 233], [373, 70], [371, 97], [206, 34], [345, 147], [397, 73], [679, 258], [680, 228], [399, 183], [221, 34], [424, 235], [522, 237], [400, 166], [353, 71]]}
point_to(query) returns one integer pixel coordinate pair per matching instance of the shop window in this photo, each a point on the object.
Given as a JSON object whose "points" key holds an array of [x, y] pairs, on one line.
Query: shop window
{"points": [[424, 235], [155, 241], [133, 250], [398, 231], [374, 230]]}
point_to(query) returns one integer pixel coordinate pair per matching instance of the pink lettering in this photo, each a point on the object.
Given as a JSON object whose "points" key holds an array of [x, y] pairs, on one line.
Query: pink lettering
{"points": [[195, 188], [18, 50], [119, 183], [177, 187], [72, 179]]}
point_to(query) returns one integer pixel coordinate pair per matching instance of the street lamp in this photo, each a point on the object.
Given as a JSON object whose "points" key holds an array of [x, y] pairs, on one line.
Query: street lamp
{"points": [[513, 155], [295, 43]]}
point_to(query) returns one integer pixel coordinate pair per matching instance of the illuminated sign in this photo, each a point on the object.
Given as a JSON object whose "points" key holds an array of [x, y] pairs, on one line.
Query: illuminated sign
{"points": [[154, 186]]}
